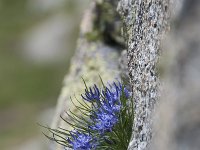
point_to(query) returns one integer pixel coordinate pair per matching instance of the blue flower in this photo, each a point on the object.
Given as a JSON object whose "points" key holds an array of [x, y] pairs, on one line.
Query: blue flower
{"points": [[110, 107], [126, 92], [111, 96], [105, 116], [103, 122], [107, 106], [81, 141], [111, 103], [92, 94], [117, 89]]}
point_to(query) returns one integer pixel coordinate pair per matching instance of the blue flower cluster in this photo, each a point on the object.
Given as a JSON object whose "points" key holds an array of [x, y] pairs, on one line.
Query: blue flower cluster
{"points": [[92, 94], [81, 141], [106, 106]]}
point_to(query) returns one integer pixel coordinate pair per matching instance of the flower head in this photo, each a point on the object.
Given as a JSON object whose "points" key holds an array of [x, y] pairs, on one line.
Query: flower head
{"points": [[110, 106], [126, 92], [111, 102], [114, 91], [117, 89], [106, 115], [103, 121], [81, 141], [99, 119], [92, 94]]}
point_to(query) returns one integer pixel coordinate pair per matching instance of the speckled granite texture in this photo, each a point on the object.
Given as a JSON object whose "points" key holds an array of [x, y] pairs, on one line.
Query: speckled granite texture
{"points": [[144, 23]]}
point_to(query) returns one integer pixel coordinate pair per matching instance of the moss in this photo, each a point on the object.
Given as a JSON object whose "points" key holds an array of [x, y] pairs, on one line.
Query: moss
{"points": [[93, 66], [95, 35], [107, 25]]}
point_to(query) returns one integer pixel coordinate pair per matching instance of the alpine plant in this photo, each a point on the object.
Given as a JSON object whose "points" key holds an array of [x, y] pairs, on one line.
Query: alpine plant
{"points": [[104, 121]]}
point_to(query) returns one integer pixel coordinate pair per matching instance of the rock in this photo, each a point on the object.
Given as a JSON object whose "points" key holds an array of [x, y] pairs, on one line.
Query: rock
{"points": [[145, 23]]}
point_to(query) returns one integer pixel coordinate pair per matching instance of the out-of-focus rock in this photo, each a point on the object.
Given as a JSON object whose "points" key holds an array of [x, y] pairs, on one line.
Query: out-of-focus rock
{"points": [[177, 123]]}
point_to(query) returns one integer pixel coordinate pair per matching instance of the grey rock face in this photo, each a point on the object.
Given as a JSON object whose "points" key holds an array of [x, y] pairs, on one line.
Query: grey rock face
{"points": [[145, 22]]}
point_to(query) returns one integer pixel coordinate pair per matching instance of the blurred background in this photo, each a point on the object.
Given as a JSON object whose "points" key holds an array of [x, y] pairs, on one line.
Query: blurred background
{"points": [[37, 40]]}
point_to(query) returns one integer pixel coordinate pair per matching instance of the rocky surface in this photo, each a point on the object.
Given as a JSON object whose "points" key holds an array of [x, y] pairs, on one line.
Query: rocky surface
{"points": [[145, 22]]}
